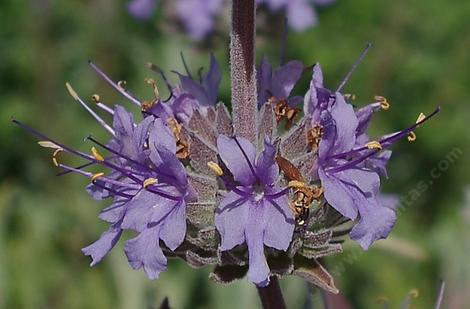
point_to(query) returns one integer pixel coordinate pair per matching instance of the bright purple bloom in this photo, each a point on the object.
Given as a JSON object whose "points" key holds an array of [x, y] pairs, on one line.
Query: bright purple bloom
{"points": [[254, 210], [348, 163]]}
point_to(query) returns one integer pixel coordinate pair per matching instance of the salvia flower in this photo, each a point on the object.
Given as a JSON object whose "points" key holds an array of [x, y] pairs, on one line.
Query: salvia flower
{"points": [[190, 187], [255, 209]]}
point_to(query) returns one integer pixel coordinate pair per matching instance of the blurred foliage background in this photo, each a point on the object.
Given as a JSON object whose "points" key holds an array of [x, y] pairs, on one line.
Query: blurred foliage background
{"points": [[421, 59]]}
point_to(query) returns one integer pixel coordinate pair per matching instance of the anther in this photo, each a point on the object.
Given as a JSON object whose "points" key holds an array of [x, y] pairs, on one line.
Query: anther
{"points": [[350, 96], [48, 144], [54, 156], [384, 104], [414, 293], [72, 92], [122, 84], [96, 154], [374, 145], [96, 176], [421, 118], [296, 184], [150, 181], [215, 168], [412, 136], [96, 98]]}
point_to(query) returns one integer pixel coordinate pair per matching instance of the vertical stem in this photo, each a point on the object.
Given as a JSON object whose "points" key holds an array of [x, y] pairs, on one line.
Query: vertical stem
{"points": [[271, 296], [242, 58]]}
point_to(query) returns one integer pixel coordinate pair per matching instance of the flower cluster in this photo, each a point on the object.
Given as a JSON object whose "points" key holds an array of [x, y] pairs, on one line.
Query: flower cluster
{"points": [[198, 16], [191, 188]]}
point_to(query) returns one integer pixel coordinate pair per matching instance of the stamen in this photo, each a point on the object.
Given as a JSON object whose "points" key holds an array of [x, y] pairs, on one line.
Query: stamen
{"points": [[149, 182], [354, 67], [48, 144], [96, 98], [421, 118], [388, 141], [128, 173], [374, 145], [122, 84], [350, 96], [118, 88], [96, 154], [118, 154], [54, 156], [75, 96], [215, 168], [113, 191], [156, 69], [96, 176], [384, 104], [296, 184], [411, 136]]}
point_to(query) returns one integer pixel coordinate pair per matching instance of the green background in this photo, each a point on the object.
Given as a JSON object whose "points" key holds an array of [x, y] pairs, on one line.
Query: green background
{"points": [[420, 59]]}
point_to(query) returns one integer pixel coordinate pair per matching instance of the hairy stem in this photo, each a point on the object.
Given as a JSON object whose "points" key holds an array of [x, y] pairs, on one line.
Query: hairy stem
{"points": [[271, 296], [242, 59]]}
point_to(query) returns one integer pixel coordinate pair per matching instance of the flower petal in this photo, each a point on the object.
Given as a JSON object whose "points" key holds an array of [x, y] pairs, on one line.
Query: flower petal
{"points": [[279, 223], [103, 245], [144, 251], [285, 78], [258, 271], [267, 169], [233, 157], [174, 228], [230, 220]]}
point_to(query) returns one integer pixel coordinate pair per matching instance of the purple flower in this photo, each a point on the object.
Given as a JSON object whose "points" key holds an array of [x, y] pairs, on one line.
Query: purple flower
{"points": [[300, 13], [142, 9], [349, 163], [198, 16], [278, 84], [254, 210], [189, 95]]}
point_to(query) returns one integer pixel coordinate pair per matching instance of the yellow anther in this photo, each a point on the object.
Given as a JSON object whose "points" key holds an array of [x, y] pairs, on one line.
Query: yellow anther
{"points": [[72, 92], [414, 293], [96, 98], [350, 96], [96, 176], [374, 145], [149, 182], [96, 154], [383, 102], [215, 168], [54, 156], [296, 184], [421, 117], [48, 144], [122, 84], [412, 137]]}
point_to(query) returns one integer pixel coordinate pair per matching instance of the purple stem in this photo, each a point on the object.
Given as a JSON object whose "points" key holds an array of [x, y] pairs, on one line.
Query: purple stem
{"points": [[242, 59], [271, 296]]}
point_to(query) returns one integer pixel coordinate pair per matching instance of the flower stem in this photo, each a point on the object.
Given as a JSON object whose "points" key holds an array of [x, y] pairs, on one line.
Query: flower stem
{"points": [[242, 58], [271, 296]]}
